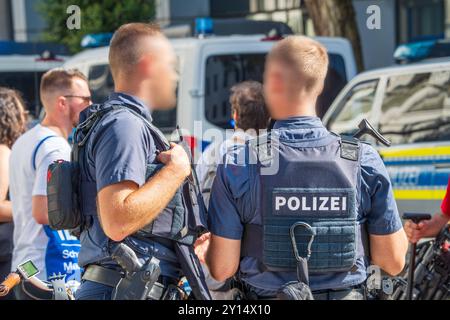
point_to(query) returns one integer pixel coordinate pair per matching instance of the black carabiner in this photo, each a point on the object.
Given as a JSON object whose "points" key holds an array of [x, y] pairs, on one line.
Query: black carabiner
{"points": [[294, 243]]}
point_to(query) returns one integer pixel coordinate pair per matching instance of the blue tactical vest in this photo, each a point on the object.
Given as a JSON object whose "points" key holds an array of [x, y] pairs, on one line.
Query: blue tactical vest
{"points": [[172, 233], [314, 185]]}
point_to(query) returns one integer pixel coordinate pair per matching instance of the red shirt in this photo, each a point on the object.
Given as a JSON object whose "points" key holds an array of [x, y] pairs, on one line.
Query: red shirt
{"points": [[445, 206]]}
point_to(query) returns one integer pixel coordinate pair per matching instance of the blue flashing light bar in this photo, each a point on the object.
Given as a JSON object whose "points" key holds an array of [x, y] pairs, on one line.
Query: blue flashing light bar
{"points": [[414, 51], [96, 40], [204, 26]]}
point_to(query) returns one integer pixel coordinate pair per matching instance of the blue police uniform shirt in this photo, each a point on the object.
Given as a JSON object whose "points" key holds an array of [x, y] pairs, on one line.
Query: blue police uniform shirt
{"points": [[232, 206], [119, 150]]}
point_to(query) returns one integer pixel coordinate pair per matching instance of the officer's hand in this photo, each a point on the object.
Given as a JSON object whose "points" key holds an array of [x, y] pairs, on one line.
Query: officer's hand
{"points": [[177, 159], [201, 246], [414, 231]]}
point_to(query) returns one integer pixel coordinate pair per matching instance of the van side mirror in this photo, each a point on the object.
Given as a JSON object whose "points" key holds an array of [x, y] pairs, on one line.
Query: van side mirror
{"points": [[366, 128]]}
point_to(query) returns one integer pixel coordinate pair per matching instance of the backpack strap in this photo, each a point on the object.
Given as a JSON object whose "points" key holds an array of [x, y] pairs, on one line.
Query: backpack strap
{"points": [[36, 149], [87, 127], [350, 150], [156, 133]]}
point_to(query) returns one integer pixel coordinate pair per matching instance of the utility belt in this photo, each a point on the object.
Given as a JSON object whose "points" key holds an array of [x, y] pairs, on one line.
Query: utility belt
{"points": [[165, 288], [352, 293]]}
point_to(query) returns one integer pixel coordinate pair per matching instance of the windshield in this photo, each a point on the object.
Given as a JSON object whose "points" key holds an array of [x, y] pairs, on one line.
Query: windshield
{"points": [[356, 106], [224, 71], [416, 108]]}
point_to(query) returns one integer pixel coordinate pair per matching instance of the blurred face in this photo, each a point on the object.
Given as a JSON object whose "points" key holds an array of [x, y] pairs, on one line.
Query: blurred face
{"points": [[277, 88], [78, 99], [163, 77]]}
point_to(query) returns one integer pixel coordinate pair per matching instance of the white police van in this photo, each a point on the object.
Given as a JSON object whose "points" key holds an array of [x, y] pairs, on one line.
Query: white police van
{"points": [[209, 67], [409, 105], [21, 69]]}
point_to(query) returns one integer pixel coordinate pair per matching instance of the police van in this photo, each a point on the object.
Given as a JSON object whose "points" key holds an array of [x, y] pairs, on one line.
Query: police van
{"points": [[409, 105], [22, 66], [209, 66]]}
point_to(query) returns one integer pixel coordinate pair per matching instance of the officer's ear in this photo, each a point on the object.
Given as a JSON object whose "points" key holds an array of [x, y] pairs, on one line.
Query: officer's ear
{"points": [[277, 83], [146, 65], [275, 76]]}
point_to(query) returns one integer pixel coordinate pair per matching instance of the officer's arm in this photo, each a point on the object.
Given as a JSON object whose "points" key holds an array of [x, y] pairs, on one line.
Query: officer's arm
{"points": [[222, 257], [389, 251], [388, 242], [230, 195], [125, 208]]}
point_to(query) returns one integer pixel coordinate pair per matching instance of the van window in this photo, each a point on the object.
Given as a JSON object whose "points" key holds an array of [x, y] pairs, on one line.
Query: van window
{"points": [[416, 108], [334, 83], [224, 71], [356, 106], [27, 83], [101, 84]]}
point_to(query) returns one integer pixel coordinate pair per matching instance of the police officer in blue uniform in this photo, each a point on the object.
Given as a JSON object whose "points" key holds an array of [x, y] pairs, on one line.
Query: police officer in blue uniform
{"points": [[301, 178], [122, 202]]}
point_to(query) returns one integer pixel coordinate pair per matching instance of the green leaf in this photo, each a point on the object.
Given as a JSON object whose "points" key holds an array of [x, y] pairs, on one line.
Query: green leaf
{"points": [[97, 16]]}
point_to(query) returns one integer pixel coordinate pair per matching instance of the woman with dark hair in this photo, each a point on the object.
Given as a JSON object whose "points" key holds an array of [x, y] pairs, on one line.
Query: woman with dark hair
{"points": [[12, 124]]}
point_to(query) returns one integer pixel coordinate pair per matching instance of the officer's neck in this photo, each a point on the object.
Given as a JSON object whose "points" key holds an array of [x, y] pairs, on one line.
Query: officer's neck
{"points": [[303, 106], [136, 90], [296, 111]]}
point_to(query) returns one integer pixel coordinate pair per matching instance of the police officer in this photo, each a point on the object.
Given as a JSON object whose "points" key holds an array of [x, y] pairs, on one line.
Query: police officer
{"points": [[335, 188], [118, 203]]}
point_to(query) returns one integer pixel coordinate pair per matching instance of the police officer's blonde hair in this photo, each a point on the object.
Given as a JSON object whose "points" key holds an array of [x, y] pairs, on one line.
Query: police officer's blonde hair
{"points": [[126, 48], [306, 58]]}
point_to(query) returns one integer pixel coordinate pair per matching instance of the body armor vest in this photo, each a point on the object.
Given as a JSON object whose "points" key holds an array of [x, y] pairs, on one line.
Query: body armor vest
{"points": [[316, 186]]}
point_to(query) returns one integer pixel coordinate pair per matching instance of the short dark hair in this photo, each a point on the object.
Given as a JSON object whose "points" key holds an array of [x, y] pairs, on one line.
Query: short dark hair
{"points": [[247, 100], [125, 48], [59, 79], [13, 117]]}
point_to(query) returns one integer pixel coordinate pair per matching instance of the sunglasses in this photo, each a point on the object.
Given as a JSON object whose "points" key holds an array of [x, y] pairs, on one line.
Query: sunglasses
{"points": [[86, 99]]}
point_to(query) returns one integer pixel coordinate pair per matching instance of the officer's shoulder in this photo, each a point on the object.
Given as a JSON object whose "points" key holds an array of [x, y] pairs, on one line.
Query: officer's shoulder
{"points": [[369, 155], [123, 118]]}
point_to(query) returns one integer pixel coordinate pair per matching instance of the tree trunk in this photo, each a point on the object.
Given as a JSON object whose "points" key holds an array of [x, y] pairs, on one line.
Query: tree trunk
{"points": [[336, 18]]}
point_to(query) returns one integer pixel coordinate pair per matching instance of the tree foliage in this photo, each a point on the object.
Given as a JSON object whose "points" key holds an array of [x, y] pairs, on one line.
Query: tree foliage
{"points": [[97, 16], [336, 18]]}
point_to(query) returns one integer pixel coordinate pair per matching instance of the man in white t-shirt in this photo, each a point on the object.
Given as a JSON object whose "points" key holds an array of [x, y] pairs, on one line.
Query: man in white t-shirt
{"points": [[64, 94]]}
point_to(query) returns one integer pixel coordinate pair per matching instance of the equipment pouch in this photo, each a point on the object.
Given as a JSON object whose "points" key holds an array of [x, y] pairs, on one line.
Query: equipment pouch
{"points": [[295, 291], [62, 193]]}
